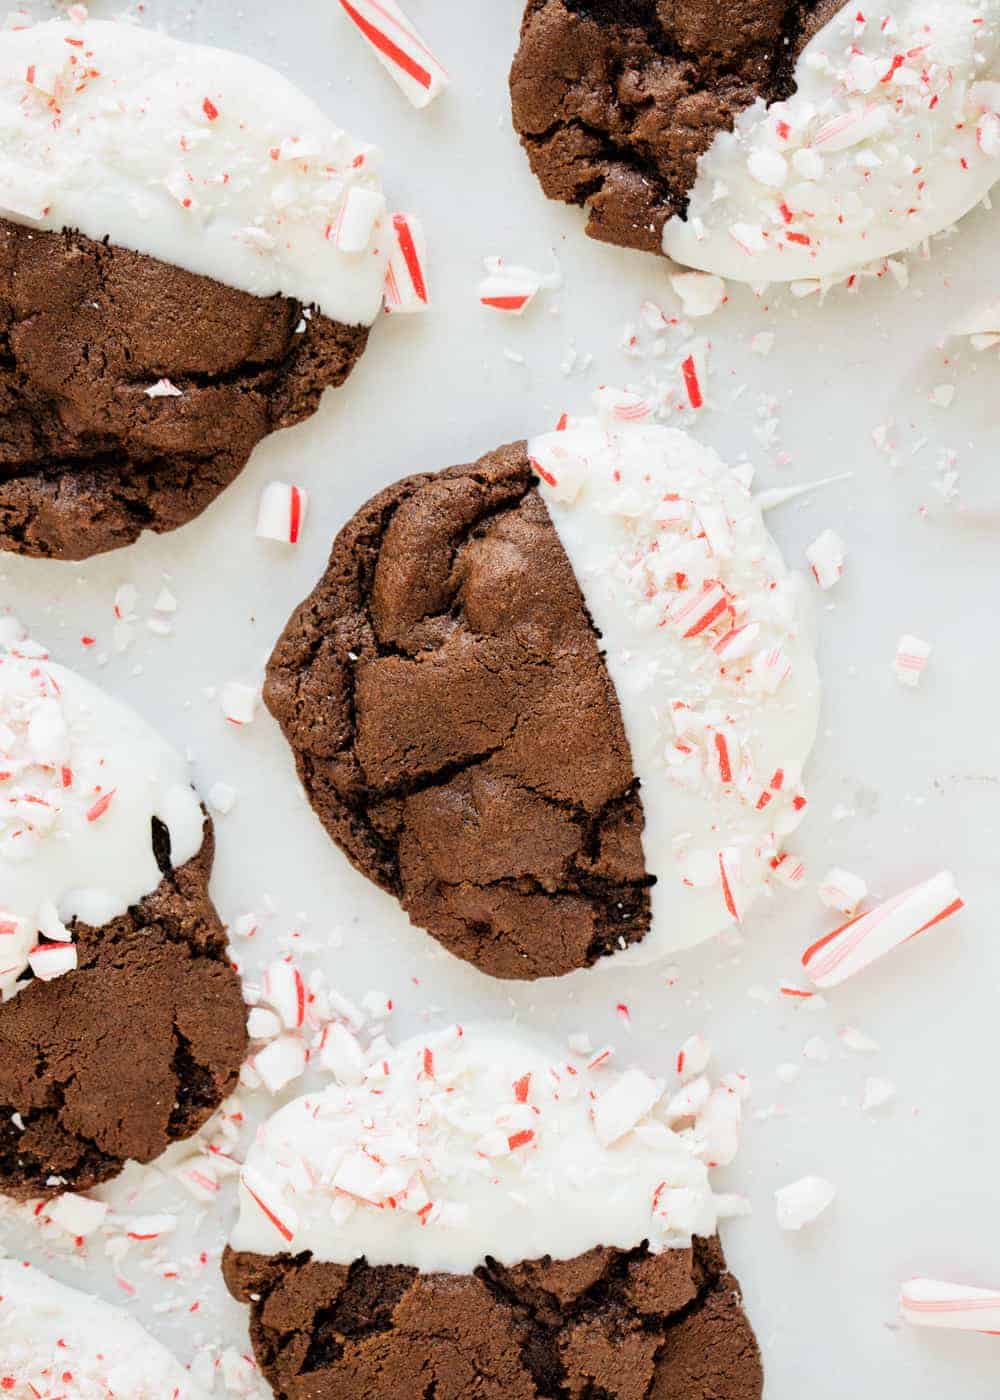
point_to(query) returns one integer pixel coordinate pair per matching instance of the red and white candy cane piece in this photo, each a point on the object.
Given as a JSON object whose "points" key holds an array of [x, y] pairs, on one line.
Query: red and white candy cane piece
{"points": [[695, 611], [405, 279], [839, 889], [51, 960], [509, 288], [276, 1211], [359, 214], [281, 512], [927, 1302], [238, 702], [910, 661], [870, 936], [694, 372], [399, 48], [285, 991], [788, 870], [622, 406], [826, 558], [693, 1056]]}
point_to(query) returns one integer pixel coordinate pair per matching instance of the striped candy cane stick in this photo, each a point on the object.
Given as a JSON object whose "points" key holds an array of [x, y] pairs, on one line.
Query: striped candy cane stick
{"points": [[927, 1302], [399, 48], [405, 278], [870, 936]]}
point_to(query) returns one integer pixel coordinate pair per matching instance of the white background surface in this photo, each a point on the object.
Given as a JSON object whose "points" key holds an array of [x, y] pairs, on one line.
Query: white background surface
{"points": [[917, 772]]}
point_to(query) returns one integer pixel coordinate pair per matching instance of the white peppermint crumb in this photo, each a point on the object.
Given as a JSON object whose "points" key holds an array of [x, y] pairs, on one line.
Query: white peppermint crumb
{"points": [[803, 1201], [878, 1092]]}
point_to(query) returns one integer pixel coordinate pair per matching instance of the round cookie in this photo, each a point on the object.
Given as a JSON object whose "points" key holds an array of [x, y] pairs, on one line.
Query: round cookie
{"points": [[477, 1214], [56, 1341], [189, 255], [122, 1025], [559, 717], [767, 140]]}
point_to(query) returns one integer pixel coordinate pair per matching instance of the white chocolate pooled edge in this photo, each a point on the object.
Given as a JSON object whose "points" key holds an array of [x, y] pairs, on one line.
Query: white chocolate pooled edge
{"points": [[710, 844], [769, 197], [488, 1141], [89, 867], [200, 157], [53, 1325]]}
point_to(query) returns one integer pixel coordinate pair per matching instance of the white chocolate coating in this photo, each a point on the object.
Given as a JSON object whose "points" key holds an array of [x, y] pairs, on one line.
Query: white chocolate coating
{"points": [[470, 1143], [708, 640], [197, 156], [891, 135], [66, 850], [56, 1342]]}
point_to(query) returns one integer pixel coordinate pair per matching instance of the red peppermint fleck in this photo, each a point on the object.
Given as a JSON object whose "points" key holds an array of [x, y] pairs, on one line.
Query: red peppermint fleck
{"points": [[520, 1139], [101, 806], [522, 1088], [210, 109], [547, 477]]}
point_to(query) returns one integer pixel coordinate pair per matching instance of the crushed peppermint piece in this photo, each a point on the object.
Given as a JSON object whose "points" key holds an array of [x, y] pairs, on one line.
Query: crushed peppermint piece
{"points": [[701, 293], [910, 661], [841, 890], [163, 389], [282, 511], [803, 1201], [826, 558], [239, 702]]}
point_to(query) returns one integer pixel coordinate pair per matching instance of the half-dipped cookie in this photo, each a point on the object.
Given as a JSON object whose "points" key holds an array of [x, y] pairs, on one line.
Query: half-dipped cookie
{"points": [[190, 253], [557, 701], [122, 1024], [474, 1215], [60, 1343], [764, 140]]}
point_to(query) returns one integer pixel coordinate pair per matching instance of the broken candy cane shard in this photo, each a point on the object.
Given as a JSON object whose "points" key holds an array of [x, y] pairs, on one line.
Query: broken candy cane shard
{"points": [[925, 1302], [399, 48], [910, 661], [281, 512], [803, 1201], [51, 960], [405, 281], [693, 381], [826, 558], [258, 1193], [870, 936]]}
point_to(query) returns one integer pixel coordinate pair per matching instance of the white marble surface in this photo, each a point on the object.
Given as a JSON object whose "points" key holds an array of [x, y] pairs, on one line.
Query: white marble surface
{"points": [[917, 772]]}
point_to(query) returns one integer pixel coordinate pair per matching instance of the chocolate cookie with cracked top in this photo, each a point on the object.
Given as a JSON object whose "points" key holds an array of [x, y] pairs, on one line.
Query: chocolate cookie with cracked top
{"points": [[455, 727], [217, 269], [557, 701], [619, 1324], [615, 101], [122, 1025], [381, 1261]]}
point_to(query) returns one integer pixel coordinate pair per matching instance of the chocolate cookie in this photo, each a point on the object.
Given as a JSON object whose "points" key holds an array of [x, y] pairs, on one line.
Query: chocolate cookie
{"points": [[615, 101], [455, 728], [615, 1324], [88, 457], [558, 701], [132, 1051]]}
